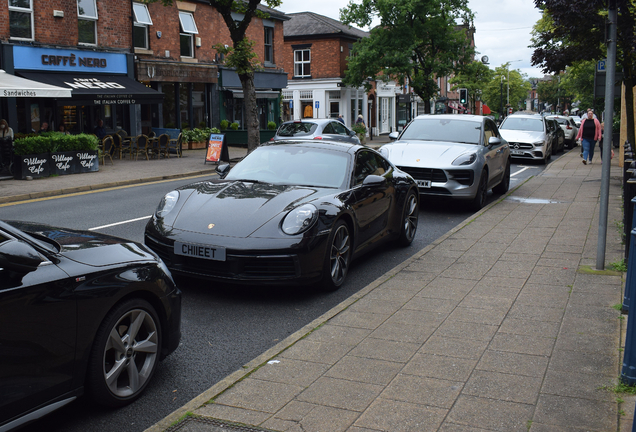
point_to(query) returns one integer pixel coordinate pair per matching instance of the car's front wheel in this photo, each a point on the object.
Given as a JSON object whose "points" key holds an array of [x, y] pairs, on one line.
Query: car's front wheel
{"points": [[482, 192], [338, 257], [410, 219], [125, 353], [503, 187]]}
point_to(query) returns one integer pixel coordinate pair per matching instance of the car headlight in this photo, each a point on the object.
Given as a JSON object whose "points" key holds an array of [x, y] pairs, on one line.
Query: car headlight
{"points": [[539, 143], [167, 203], [465, 159], [300, 219]]}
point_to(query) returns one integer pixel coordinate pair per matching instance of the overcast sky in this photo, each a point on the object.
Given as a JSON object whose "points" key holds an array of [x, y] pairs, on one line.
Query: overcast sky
{"points": [[502, 28]]}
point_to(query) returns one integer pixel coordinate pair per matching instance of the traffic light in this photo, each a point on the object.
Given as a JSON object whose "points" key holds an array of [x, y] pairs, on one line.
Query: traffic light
{"points": [[463, 96]]}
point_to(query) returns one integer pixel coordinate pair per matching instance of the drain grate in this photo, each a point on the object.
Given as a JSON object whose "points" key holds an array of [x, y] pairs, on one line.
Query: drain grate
{"points": [[206, 424]]}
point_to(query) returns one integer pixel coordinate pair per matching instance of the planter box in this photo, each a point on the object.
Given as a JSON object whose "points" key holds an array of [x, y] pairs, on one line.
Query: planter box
{"points": [[35, 166], [197, 145], [88, 161], [63, 163]]}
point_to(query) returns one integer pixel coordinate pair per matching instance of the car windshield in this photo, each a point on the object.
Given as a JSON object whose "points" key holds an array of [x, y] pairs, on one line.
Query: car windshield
{"points": [[293, 165], [443, 129], [296, 129], [522, 123]]}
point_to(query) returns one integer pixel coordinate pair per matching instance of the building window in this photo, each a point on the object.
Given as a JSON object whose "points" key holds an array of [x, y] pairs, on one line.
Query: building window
{"points": [[188, 30], [87, 21], [269, 45], [302, 61], [21, 19], [140, 29]]}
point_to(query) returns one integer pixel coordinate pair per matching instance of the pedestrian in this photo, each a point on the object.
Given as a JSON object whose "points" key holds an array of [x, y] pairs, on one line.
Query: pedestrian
{"points": [[340, 119], [44, 127], [589, 134], [62, 129], [360, 121], [5, 130], [600, 143], [99, 130]]}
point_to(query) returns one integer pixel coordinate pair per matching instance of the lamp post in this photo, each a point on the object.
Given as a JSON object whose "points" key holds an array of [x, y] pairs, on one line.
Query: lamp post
{"points": [[508, 68], [501, 96]]}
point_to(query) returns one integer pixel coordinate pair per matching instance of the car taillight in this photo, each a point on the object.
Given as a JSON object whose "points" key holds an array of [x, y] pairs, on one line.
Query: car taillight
{"points": [[568, 127], [271, 139], [317, 137]]}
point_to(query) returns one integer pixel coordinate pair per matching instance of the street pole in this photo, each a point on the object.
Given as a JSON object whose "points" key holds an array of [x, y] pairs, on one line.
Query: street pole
{"points": [[501, 96], [508, 99], [607, 139]]}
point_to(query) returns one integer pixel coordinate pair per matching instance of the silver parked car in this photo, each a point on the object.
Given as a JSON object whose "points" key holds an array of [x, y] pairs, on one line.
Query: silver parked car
{"points": [[569, 129], [327, 129], [456, 155], [528, 135]]}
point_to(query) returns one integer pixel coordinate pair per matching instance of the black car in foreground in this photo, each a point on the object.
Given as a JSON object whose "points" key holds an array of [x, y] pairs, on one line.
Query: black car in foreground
{"points": [[289, 212], [79, 312]]}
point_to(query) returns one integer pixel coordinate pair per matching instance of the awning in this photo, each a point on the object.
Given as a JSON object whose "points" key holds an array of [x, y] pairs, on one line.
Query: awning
{"points": [[14, 86], [485, 109], [99, 89], [260, 94]]}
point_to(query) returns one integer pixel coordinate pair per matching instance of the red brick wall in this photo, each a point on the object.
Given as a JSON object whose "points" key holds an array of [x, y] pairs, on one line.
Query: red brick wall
{"points": [[326, 59], [113, 24]]}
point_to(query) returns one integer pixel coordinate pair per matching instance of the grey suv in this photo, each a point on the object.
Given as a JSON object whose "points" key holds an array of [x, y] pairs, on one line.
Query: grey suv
{"points": [[308, 129], [529, 136]]}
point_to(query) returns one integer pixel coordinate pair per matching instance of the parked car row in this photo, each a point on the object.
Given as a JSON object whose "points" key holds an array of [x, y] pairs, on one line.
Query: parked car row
{"points": [[85, 312]]}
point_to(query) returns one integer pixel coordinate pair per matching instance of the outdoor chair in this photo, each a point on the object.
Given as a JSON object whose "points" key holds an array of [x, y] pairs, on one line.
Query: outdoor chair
{"points": [[140, 145], [106, 148], [174, 146], [162, 147]]}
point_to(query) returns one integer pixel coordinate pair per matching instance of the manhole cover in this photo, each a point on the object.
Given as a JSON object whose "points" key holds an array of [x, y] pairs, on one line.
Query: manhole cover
{"points": [[205, 424]]}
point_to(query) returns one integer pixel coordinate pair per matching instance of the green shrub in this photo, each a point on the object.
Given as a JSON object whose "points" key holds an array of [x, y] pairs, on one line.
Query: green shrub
{"points": [[196, 134], [271, 125], [50, 142], [224, 124], [234, 126], [360, 129]]}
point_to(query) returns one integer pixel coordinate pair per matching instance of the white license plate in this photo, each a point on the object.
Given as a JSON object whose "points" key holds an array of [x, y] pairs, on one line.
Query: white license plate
{"points": [[424, 183], [216, 253], [516, 152]]}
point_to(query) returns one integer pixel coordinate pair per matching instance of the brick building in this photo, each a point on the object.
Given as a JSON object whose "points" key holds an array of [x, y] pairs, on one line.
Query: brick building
{"points": [[315, 58], [134, 66]]}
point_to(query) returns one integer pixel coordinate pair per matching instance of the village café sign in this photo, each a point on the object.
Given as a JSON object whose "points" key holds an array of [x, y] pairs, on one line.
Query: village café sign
{"points": [[65, 60]]}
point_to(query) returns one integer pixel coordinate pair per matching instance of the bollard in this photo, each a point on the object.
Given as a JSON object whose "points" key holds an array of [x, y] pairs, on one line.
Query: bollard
{"points": [[629, 192], [630, 278], [628, 372]]}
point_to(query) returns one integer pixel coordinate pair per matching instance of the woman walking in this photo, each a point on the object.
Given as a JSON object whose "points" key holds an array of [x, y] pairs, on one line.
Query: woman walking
{"points": [[589, 133]]}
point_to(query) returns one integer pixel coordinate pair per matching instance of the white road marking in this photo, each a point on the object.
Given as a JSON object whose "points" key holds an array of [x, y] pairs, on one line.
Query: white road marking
{"points": [[119, 223], [519, 172]]}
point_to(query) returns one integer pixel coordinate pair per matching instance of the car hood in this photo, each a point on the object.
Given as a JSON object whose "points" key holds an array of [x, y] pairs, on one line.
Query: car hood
{"points": [[521, 136], [88, 247], [238, 208], [425, 153]]}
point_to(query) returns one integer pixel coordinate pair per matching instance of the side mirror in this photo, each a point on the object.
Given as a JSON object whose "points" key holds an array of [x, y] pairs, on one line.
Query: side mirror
{"points": [[18, 257], [394, 135], [494, 141], [222, 170], [373, 180], [352, 133]]}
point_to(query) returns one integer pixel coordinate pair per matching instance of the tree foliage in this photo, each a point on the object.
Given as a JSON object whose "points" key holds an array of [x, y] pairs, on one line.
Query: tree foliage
{"points": [[474, 77], [495, 93], [416, 41], [577, 34], [241, 55]]}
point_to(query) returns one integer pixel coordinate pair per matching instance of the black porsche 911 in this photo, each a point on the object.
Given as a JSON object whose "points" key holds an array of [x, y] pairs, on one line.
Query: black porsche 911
{"points": [[79, 312], [289, 212]]}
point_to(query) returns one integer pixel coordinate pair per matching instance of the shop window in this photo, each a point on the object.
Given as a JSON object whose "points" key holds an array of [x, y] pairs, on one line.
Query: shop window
{"points": [[168, 107], [269, 45], [21, 19], [198, 105], [188, 30], [140, 29], [184, 109], [87, 21], [302, 63]]}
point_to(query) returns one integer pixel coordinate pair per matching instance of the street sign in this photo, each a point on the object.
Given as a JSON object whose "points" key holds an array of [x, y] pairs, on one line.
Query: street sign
{"points": [[317, 104], [600, 66]]}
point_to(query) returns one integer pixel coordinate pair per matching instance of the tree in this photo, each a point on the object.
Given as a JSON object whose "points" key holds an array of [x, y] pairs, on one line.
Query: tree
{"points": [[241, 54], [416, 41], [495, 94], [474, 77], [577, 33]]}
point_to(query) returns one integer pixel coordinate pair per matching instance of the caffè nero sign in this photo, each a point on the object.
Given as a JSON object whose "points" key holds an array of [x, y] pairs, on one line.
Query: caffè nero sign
{"points": [[65, 60]]}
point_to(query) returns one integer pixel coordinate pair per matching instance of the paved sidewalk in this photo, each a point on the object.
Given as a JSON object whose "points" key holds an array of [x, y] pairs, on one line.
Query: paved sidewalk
{"points": [[502, 324]]}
